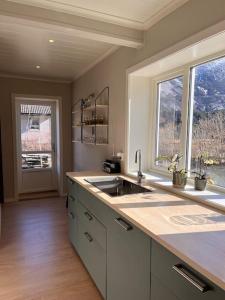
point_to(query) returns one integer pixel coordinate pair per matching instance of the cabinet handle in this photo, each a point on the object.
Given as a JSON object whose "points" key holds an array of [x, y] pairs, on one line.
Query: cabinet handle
{"points": [[88, 236], [72, 198], [70, 180], [190, 277], [123, 224], [89, 216], [71, 215]]}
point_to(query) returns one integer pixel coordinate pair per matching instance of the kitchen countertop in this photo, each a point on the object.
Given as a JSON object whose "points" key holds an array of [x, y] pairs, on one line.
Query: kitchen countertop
{"points": [[193, 232]]}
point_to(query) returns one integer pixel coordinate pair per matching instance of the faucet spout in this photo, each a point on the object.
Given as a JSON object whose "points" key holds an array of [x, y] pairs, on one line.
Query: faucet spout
{"points": [[140, 176]]}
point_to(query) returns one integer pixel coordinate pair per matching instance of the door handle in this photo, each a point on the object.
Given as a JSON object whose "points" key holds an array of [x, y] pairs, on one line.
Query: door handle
{"points": [[123, 224], [88, 236], [89, 216], [191, 278], [70, 180]]}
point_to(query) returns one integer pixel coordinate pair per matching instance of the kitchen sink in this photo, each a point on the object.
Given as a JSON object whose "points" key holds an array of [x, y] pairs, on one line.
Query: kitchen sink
{"points": [[116, 186]]}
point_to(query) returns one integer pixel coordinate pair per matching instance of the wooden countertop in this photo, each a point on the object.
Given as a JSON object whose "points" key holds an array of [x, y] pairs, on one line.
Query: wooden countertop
{"points": [[193, 232]]}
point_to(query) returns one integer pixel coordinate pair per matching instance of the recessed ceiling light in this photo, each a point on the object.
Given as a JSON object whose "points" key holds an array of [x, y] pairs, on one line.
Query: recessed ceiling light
{"points": [[38, 67], [51, 41]]}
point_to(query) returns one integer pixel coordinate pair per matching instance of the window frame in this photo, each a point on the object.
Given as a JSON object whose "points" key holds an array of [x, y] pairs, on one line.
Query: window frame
{"points": [[181, 72], [187, 114]]}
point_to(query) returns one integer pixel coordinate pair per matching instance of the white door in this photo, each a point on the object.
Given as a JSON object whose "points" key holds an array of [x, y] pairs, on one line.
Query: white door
{"points": [[36, 150]]}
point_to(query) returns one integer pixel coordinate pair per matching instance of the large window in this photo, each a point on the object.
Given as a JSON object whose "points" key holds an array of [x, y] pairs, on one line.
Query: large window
{"points": [[199, 129], [170, 93], [208, 121]]}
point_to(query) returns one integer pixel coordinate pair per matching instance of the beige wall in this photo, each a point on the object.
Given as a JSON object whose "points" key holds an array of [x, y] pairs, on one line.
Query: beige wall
{"points": [[9, 86], [193, 17]]}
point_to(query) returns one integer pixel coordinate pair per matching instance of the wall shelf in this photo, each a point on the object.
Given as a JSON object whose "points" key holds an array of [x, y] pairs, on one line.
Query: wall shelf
{"points": [[96, 111], [93, 107], [97, 125]]}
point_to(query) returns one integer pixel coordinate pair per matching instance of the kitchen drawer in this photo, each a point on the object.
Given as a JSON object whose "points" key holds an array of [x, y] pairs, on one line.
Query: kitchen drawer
{"points": [[94, 205], [159, 291], [73, 229], [93, 256], [72, 203], [72, 187], [95, 228], [180, 279]]}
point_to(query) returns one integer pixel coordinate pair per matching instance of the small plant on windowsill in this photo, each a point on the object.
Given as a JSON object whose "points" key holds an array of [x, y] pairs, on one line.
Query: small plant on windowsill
{"points": [[201, 177], [179, 174]]}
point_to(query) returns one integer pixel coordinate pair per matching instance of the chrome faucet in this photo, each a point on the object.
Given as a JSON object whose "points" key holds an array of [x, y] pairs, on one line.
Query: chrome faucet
{"points": [[140, 176]]}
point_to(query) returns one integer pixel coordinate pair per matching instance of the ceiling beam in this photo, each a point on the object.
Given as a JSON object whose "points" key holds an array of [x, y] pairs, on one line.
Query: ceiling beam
{"points": [[75, 25]]}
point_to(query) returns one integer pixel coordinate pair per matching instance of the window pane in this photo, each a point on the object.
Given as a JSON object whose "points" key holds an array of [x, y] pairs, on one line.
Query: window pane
{"points": [[170, 94], [35, 127], [36, 161], [208, 128]]}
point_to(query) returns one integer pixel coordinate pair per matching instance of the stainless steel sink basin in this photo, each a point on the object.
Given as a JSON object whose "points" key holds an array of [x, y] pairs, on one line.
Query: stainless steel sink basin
{"points": [[116, 186]]}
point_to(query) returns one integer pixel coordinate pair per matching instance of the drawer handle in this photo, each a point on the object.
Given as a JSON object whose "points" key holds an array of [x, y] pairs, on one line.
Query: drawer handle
{"points": [[123, 224], [88, 236], [71, 215], [70, 180], [89, 216], [72, 198], [190, 277]]}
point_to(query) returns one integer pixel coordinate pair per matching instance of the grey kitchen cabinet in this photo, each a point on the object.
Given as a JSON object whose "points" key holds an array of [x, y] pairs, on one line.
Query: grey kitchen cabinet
{"points": [[87, 235], [124, 262], [72, 201], [92, 246], [128, 261], [93, 256], [176, 276], [93, 225], [72, 187], [73, 221], [159, 291], [94, 205]]}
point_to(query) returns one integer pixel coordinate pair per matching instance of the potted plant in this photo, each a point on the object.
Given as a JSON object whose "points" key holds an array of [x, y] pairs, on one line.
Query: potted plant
{"points": [[179, 174], [201, 178]]}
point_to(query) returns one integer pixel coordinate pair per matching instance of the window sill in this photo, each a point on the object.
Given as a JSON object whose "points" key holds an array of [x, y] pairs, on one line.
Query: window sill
{"points": [[208, 197]]}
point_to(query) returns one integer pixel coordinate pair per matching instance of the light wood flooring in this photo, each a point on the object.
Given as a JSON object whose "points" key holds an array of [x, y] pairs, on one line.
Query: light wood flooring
{"points": [[36, 258]]}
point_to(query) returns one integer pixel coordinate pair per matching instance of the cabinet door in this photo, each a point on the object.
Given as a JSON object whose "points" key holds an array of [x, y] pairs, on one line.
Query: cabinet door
{"points": [[73, 235], [72, 215], [72, 187], [93, 256], [159, 291], [128, 261], [178, 277]]}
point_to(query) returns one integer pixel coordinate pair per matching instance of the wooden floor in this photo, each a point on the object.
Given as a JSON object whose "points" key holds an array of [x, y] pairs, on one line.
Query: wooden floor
{"points": [[36, 258]]}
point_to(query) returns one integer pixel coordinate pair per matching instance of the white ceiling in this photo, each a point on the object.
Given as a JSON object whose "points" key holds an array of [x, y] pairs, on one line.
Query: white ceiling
{"points": [[22, 48], [81, 39], [139, 14]]}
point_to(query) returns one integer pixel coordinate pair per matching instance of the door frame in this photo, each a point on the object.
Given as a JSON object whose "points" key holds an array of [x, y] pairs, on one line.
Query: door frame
{"points": [[59, 145]]}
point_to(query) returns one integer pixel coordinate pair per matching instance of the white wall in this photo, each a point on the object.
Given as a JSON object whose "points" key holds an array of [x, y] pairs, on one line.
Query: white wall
{"points": [[193, 17], [139, 119], [9, 86]]}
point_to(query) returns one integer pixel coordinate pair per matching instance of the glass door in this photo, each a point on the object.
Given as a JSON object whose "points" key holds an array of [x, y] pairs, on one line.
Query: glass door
{"points": [[36, 151]]}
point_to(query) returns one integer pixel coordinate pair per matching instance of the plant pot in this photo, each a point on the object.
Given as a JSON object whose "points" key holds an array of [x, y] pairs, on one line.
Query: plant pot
{"points": [[179, 180], [200, 184]]}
